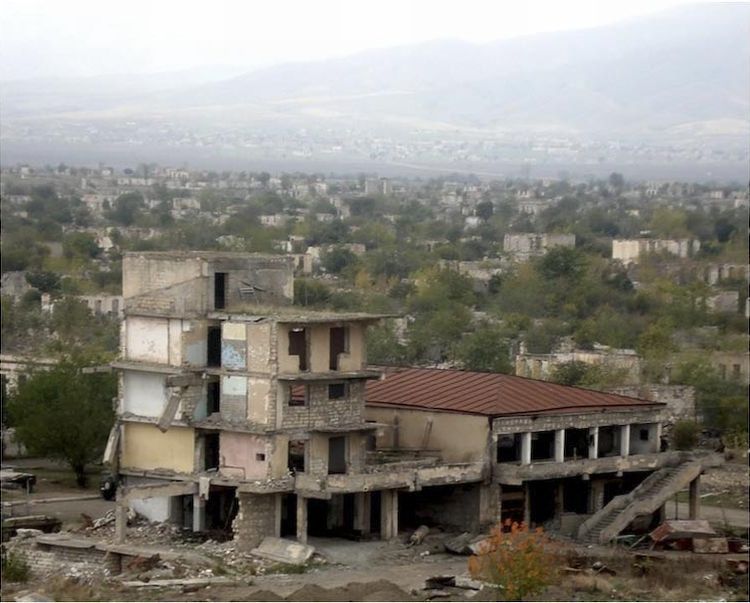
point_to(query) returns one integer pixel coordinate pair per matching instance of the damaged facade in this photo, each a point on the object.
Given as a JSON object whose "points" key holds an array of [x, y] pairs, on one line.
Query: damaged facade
{"points": [[240, 414]]}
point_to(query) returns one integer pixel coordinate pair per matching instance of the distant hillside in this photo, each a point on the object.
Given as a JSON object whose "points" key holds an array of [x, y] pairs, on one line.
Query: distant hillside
{"points": [[678, 77]]}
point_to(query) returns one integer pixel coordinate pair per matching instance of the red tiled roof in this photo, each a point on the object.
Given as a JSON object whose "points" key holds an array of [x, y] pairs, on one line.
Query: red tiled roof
{"points": [[491, 394]]}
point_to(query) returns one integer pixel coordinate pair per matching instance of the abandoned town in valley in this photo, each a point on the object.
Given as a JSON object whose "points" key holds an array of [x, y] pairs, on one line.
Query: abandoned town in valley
{"points": [[272, 335]]}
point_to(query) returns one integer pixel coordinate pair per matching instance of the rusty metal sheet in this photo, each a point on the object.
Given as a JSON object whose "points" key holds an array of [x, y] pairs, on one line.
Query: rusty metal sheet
{"points": [[678, 529], [490, 394]]}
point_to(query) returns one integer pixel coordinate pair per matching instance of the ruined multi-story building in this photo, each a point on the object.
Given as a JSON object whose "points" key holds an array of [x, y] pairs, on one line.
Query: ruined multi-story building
{"points": [[238, 412]]}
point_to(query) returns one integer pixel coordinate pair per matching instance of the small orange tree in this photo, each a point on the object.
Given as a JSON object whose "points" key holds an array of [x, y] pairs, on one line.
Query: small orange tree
{"points": [[520, 561]]}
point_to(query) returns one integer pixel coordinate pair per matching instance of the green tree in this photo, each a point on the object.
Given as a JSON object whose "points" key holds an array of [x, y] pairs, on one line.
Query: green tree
{"points": [[65, 413], [338, 259], [487, 349], [126, 208]]}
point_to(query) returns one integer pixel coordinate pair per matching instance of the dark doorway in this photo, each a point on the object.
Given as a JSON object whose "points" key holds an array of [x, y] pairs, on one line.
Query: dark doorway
{"points": [[376, 504], [213, 355], [336, 455], [298, 346], [512, 503], [220, 290], [339, 337], [213, 396], [211, 451], [542, 496], [221, 509], [289, 515], [333, 517], [576, 495]]}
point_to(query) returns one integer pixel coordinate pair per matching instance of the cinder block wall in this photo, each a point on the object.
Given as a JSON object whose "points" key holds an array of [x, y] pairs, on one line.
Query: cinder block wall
{"points": [[255, 519]]}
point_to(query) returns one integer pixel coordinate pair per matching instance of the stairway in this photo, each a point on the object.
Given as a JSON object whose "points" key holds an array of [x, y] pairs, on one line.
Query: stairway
{"points": [[648, 497]]}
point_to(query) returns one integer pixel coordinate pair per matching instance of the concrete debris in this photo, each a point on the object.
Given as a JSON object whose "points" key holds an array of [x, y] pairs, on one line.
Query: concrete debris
{"points": [[105, 520], [28, 533], [419, 535], [183, 582], [710, 545], [468, 583], [461, 544], [32, 597], [284, 551], [599, 568]]}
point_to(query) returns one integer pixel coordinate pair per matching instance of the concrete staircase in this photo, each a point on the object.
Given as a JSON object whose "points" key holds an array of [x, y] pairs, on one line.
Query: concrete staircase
{"points": [[648, 497]]}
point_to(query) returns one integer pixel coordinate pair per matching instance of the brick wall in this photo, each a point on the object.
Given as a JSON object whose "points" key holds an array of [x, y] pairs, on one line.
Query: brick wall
{"points": [[255, 519], [320, 411]]}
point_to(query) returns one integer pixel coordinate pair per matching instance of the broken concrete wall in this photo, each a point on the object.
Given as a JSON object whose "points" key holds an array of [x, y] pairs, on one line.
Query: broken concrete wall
{"points": [[644, 438], [680, 399], [259, 515], [459, 438], [145, 447], [149, 272], [234, 398], [233, 346], [259, 347], [144, 394], [254, 278], [243, 455], [318, 348], [155, 340], [259, 400]]}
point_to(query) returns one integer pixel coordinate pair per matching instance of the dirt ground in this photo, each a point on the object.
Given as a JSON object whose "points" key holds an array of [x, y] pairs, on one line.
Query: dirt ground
{"points": [[373, 571], [54, 481]]}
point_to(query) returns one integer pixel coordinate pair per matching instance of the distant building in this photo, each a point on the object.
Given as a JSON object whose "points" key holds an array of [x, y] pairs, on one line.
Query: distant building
{"points": [[630, 250], [523, 246]]}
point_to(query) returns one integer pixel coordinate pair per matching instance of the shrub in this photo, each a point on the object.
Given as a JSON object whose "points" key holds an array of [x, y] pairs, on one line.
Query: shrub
{"points": [[518, 560], [685, 435], [15, 568]]}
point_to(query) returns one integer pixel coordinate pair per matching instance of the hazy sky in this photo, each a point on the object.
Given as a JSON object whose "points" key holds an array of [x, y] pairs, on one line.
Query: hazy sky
{"points": [[92, 37]]}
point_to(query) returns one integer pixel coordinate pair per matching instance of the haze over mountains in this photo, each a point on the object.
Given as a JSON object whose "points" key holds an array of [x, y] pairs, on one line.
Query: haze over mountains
{"points": [[676, 80]]}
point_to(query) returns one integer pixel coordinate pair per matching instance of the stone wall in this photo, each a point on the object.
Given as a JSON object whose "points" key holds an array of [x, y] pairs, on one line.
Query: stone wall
{"points": [[256, 519], [680, 399], [320, 411]]}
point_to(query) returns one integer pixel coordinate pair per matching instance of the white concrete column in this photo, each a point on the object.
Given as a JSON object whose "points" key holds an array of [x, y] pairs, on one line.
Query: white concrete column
{"points": [[301, 519], [362, 512], [199, 513], [526, 448], [656, 447], [388, 514], [593, 442], [121, 521], [560, 446], [625, 440]]}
